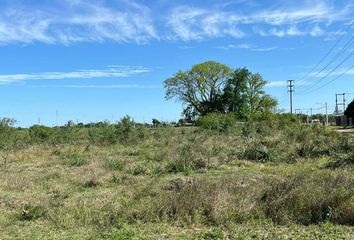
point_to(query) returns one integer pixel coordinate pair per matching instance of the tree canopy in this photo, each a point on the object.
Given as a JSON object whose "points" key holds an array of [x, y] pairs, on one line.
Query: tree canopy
{"points": [[200, 87], [214, 87], [349, 112]]}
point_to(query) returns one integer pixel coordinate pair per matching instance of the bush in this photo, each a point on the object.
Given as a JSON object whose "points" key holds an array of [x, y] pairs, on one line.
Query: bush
{"points": [[217, 122], [32, 212], [256, 151], [113, 163], [339, 161], [189, 157], [102, 134], [40, 134], [74, 159], [10, 139], [307, 198], [138, 169], [67, 134]]}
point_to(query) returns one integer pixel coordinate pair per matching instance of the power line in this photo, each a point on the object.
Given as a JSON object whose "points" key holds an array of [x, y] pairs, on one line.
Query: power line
{"points": [[328, 52], [324, 77], [339, 76]]}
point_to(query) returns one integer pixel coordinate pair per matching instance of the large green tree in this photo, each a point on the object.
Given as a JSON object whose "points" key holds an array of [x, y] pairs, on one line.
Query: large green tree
{"points": [[244, 94], [214, 87], [234, 97], [256, 98], [200, 88]]}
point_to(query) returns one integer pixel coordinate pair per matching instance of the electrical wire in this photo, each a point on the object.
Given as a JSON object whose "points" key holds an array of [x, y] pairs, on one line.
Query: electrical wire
{"points": [[346, 46], [330, 72]]}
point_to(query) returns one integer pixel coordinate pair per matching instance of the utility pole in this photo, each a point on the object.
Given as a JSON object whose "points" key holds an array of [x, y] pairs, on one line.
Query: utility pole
{"points": [[326, 114], [291, 91], [342, 104]]}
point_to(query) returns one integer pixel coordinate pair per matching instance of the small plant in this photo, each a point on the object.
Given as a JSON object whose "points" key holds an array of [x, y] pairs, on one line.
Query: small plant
{"points": [[257, 152], [31, 212], [183, 160], [213, 234], [114, 164], [74, 159], [308, 150], [339, 161], [138, 169]]}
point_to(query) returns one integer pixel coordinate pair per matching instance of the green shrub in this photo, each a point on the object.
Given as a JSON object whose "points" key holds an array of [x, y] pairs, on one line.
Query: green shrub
{"points": [[256, 151], [40, 134], [32, 212], [74, 159], [113, 163], [11, 139], [340, 160], [213, 234], [138, 168], [181, 163], [307, 198], [103, 134], [217, 122]]}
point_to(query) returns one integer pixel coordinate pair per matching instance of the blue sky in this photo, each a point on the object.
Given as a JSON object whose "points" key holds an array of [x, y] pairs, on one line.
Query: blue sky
{"points": [[94, 60]]}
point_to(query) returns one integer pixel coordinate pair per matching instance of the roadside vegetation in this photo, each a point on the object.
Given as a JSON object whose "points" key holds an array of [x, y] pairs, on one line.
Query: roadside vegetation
{"points": [[221, 179], [232, 168]]}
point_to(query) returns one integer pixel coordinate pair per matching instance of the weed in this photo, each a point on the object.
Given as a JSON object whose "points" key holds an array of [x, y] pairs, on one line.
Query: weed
{"points": [[74, 159]]}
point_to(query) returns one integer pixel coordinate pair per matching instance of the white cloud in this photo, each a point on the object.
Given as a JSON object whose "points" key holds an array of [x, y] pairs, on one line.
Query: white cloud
{"points": [[276, 84], [79, 21], [284, 83], [188, 23], [311, 11], [123, 86], [341, 71], [185, 47], [246, 46], [263, 49], [71, 21], [293, 30], [110, 72]]}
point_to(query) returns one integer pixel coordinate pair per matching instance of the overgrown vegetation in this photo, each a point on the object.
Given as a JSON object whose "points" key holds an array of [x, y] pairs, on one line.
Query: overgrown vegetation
{"points": [[263, 179]]}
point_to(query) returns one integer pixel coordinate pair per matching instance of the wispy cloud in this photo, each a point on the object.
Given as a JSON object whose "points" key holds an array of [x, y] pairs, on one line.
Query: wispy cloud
{"points": [[104, 86], [110, 72], [276, 84], [71, 21], [185, 47], [246, 46], [284, 83], [314, 31], [189, 23], [341, 71], [76, 21]]}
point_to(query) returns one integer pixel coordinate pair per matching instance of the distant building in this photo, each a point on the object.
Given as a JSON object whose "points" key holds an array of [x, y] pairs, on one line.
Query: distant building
{"points": [[316, 121], [342, 120]]}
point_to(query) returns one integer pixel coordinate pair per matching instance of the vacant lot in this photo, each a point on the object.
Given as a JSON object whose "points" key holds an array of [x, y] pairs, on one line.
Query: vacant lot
{"points": [[252, 181]]}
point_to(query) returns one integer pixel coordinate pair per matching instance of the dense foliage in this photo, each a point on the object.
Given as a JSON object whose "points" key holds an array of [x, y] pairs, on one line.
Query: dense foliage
{"points": [[212, 87]]}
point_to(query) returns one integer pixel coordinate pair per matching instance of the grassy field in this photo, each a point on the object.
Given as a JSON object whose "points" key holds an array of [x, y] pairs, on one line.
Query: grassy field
{"points": [[249, 182]]}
